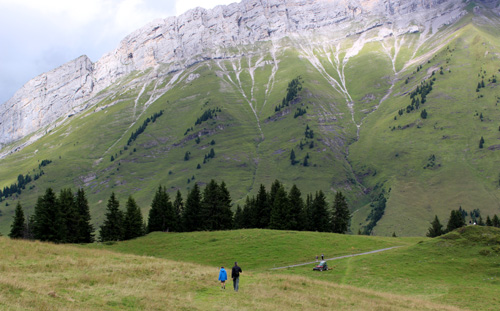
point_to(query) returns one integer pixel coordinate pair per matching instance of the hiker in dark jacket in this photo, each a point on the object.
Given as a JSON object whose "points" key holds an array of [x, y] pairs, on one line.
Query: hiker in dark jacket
{"points": [[235, 275]]}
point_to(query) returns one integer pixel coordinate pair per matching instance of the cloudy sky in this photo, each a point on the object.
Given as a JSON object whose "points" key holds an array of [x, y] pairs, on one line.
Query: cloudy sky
{"points": [[39, 35]]}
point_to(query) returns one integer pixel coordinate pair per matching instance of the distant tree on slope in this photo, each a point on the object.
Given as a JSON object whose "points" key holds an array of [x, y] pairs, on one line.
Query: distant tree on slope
{"points": [[436, 228]]}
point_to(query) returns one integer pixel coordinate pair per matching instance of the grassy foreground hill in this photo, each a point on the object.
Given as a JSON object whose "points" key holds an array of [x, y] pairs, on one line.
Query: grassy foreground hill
{"points": [[422, 275]]}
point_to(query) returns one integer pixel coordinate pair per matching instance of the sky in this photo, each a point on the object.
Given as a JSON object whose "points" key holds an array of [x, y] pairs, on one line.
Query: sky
{"points": [[37, 36]]}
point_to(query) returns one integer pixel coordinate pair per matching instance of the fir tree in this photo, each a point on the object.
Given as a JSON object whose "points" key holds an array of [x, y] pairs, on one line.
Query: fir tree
{"points": [[178, 208], [85, 228], [308, 214], [238, 218], [249, 213], [69, 214], [262, 208], [296, 206], [191, 219], [436, 228], [132, 223], [320, 218], [481, 142], [489, 223], [456, 221], [162, 216], [18, 226], [423, 114], [48, 218], [495, 222], [292, 157], [341, 215], [112, 228], [279, 210], [480, 222], [216, 207]]}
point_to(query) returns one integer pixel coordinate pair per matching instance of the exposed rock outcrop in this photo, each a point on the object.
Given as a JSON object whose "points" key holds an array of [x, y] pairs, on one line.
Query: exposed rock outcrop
{"points": [[197, 35]]}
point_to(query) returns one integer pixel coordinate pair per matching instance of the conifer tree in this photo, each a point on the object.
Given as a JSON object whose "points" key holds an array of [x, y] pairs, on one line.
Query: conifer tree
{"points": [[85, 228], [279, 210], [488, 221], [28, 229], [481, 142], [495, 222], [191, 218], [178, 209], [48, 218], [262, 208], [340, 215], [292, 157], [308, 221], [423, 114], [238, 218], [112, 228], [319, 213], [249, 213], [133, 222], [480, 221], [69, 214], [436, 228], [18, 225], [162, 216], [296, 207], [226, 214], [456, 221], [216, 207]]}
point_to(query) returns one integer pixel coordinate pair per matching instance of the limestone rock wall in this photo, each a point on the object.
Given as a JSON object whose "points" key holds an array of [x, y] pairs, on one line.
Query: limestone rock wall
{"points": [[197, 35]]}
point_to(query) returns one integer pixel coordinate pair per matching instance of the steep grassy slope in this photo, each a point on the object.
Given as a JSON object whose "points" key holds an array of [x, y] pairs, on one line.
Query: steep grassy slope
{"points": [[427, 164], [352, 89]]}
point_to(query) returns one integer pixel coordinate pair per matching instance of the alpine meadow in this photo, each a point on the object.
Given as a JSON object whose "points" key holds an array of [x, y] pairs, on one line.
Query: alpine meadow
{"points": [[373, 119]]}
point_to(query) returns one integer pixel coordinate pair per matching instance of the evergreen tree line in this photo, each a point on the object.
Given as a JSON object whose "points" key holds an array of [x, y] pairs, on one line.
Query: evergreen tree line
{"points": [[423, 90], [282, 210], [66, 219], [376, 213], [143, 127], [294, 87], [457, 220], [22, 182], [207, 115], [60, 219]]}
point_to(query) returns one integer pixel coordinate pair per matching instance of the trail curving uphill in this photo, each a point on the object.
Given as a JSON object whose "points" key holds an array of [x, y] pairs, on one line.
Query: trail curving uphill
{"points": [[335, 258]]}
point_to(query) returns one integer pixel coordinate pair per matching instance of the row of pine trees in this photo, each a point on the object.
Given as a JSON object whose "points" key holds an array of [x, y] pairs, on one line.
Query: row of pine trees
{"points": [[66, 218], [280, 210], [457, 220], [61, 219]]}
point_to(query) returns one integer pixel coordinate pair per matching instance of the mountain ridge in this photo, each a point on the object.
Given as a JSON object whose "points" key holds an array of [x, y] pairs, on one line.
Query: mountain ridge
{"points": [[178, 43]]}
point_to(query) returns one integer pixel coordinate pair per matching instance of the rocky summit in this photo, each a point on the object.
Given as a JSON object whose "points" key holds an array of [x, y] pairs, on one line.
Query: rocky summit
{"points": [[176, 43]]}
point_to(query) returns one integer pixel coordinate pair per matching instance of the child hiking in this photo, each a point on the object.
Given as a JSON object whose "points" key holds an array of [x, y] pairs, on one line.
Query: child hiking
{"points": [[222, 277]]}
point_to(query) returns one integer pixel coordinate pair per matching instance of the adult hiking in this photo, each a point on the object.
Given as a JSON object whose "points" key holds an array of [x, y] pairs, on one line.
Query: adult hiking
{"points": [[235, 275], [222, 277]]}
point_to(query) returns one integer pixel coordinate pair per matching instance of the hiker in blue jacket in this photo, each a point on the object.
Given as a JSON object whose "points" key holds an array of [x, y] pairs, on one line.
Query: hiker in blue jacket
{"points": [[222, 277]]}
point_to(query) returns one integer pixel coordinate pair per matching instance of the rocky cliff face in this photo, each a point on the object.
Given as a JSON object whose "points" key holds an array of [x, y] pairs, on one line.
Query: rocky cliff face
{"points": [[197, 35]]}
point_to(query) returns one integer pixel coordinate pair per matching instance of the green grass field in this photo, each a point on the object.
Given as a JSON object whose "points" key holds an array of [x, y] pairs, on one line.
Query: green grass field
{"points": [[179, 271]]}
